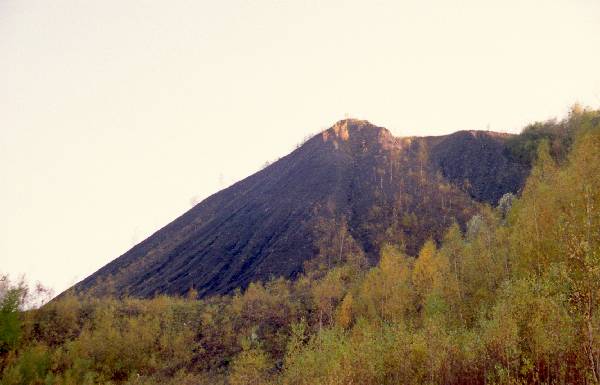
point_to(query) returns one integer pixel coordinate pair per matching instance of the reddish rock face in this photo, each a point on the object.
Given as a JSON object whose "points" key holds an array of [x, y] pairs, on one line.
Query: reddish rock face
{"points": [[388, 189]]}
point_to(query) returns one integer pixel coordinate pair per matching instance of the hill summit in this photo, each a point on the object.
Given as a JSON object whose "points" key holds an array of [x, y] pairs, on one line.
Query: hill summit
{"points": [[352, 187]]}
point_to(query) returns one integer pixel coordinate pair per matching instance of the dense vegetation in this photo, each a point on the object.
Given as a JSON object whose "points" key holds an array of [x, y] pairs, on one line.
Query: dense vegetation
{"points": [[514, 298]]}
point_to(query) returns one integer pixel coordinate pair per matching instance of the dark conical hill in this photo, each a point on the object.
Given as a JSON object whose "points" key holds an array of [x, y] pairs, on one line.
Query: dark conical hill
{"points": [[385, 188]]}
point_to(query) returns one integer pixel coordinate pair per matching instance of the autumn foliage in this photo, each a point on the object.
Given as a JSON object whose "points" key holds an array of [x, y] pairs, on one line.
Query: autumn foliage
{"points": [[511, 298]]}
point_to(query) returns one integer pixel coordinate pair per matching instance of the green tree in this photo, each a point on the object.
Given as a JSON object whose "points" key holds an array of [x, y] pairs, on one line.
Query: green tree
{"points": [[386, 292], [250, 367], [11, 298]]}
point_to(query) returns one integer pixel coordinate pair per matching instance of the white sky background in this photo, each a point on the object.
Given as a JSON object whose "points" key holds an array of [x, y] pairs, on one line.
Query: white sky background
{"points": [[115, 115]]}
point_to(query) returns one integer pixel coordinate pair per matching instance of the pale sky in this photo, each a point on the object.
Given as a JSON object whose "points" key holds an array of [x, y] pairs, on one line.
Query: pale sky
{"points": [[116, 115]]}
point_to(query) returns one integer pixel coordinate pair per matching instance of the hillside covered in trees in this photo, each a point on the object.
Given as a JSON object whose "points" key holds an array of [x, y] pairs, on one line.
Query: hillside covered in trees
{"points": [[509, 297]]}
